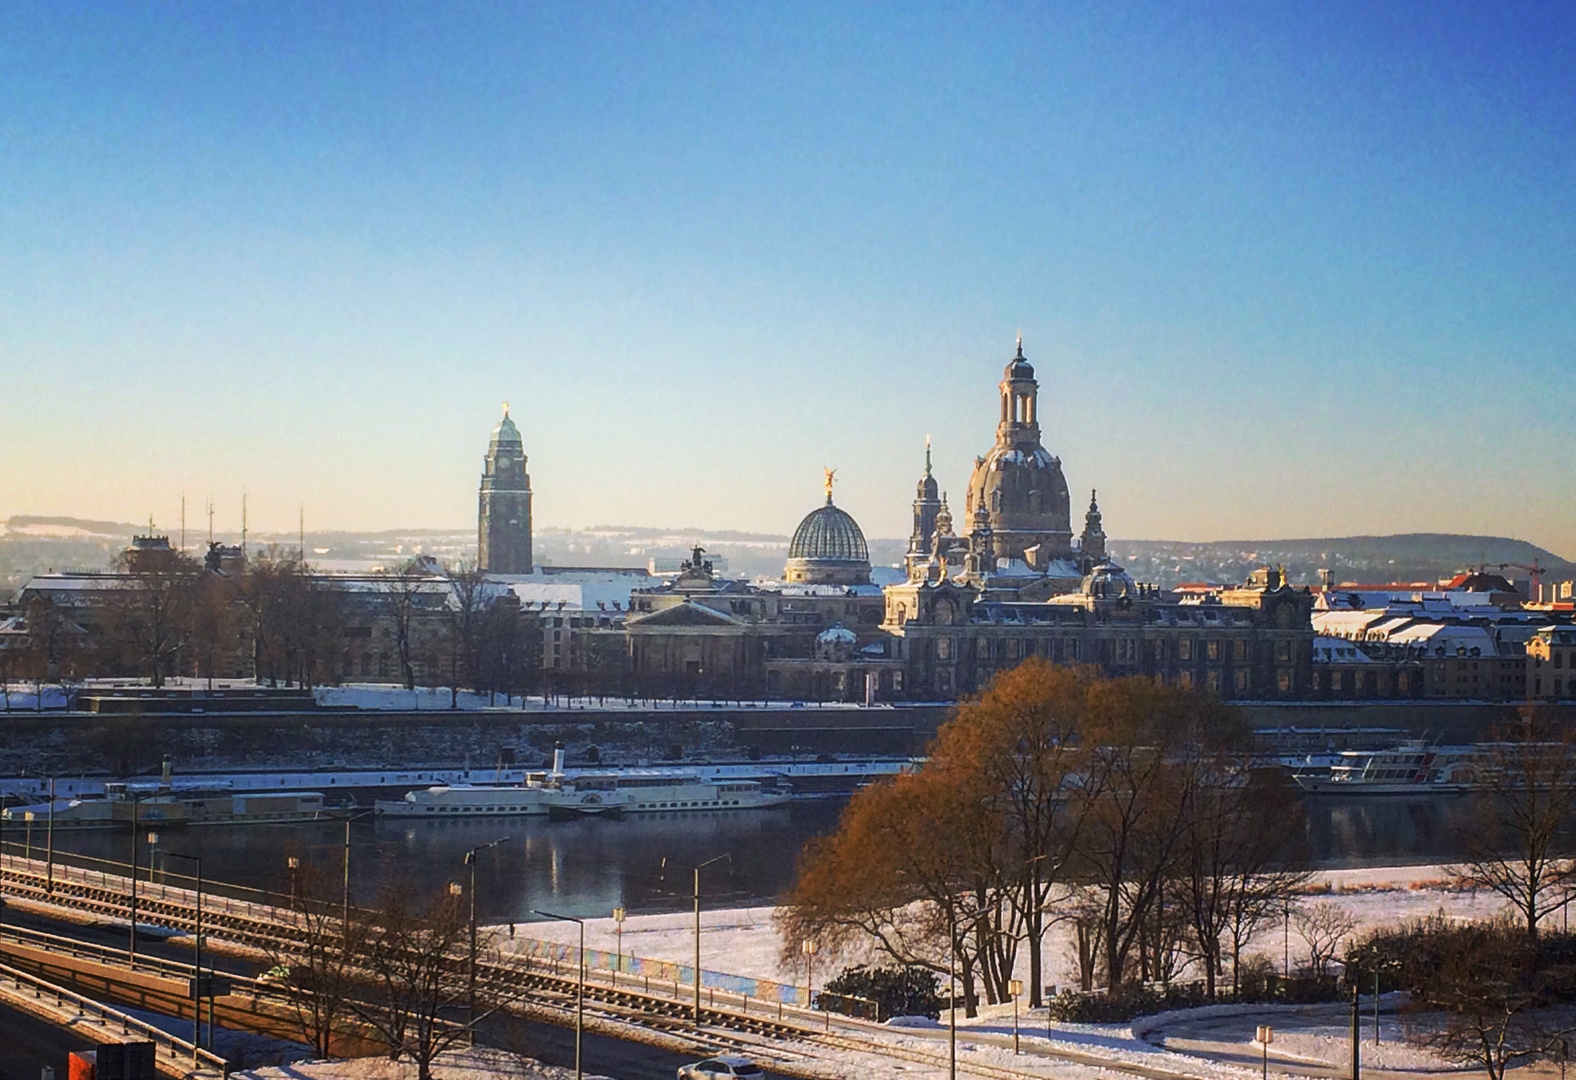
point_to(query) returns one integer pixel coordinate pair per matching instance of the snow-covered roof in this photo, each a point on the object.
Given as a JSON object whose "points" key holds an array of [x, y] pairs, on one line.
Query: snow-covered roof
{"points": [[1329, 650]]}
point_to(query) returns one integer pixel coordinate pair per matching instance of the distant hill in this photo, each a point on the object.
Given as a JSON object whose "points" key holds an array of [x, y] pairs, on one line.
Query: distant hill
{"points": [[30, 544], [1408, 557]]}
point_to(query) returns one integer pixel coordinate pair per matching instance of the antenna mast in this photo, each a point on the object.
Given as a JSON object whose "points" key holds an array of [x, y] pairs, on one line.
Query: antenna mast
{"points": [[301, 525], [210, 521], [183, 523], [243, 526]]}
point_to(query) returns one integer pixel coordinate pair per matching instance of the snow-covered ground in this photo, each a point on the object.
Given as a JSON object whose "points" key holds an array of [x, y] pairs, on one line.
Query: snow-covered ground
{"points": [[1202, 1043], [477, 1064], [744, 941]]}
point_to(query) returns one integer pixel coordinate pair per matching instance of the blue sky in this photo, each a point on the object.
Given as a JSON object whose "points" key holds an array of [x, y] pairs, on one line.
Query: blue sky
{"points": [[1283, 269]]}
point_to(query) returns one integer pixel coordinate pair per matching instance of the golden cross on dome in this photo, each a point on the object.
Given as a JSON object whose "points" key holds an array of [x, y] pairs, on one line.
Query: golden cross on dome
{"points": [[830, 475], [506, 410]]}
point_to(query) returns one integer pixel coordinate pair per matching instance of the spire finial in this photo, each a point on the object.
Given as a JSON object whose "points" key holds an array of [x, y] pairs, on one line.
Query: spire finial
{"points": [[830, 476], [927, 455], [1020, 344], [1093, 503], [506, 410]]}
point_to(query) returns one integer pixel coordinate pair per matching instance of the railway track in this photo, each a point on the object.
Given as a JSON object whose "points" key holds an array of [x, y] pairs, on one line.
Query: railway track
{"points": [[269, 929]]}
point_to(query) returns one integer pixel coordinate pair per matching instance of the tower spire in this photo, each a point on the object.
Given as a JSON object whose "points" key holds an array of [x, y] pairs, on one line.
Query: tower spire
{"points": [[1020, 345], [927, 455]]}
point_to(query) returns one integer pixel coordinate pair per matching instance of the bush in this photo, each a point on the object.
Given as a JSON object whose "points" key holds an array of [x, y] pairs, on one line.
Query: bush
{"points": [[897, 991], [1259, 983]]}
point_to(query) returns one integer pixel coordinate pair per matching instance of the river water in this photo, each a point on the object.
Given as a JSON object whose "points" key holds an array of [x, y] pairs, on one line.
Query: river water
{"points": [[589, 867]]}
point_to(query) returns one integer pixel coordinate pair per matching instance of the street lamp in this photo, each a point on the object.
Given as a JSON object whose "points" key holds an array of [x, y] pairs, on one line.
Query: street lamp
{"points": [[698, 869], [50, 833], [618, 929], [135, 802], [294, 863], [580, 995], [807, 946], [1014, 988], [470, 861], [344, 916], [153, 838]]}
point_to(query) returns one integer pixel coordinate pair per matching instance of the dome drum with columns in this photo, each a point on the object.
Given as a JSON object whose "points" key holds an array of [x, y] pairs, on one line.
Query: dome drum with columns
{"points": [[1018, 483]]}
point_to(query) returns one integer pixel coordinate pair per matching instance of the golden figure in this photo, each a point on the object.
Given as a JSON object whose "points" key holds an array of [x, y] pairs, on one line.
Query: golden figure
{"points": [[830, 474]]}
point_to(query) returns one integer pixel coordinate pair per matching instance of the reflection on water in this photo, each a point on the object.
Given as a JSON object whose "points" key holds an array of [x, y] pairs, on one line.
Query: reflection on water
{"points": [[589, 867], [585, 867], [1379, 830]]}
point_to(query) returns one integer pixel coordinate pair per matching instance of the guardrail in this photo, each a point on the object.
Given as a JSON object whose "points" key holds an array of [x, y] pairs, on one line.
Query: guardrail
{"points": [[175, 1050]]}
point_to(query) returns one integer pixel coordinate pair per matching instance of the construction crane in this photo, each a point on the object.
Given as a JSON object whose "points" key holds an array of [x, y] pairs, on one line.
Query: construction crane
{"points": [[1537, 570]]}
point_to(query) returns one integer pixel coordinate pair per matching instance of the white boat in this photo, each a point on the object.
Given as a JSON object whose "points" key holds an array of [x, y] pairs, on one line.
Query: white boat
{"points": [[1413, 768], [612, 794]]}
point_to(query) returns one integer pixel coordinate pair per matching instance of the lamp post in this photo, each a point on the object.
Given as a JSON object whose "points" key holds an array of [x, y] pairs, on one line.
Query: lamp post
{"points": [[807, 947], [293, 862], [27, 816], [470, 861], [1015, 987], [153, 838], [618, 930], [344, 914], [132, 949], [1265, 1036], [50, 842], [580, 994], [698, 869]]}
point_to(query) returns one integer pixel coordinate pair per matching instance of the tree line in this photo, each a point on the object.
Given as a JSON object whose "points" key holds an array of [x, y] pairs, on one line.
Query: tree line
{"points": [[282, 623]]}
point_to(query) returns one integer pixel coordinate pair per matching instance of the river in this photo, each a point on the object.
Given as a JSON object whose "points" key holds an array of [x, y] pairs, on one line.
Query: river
{"points": [[589, 867]]}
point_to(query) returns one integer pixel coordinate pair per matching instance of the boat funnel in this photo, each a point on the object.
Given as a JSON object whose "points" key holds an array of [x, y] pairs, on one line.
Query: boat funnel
{"points": [[558, 759]]}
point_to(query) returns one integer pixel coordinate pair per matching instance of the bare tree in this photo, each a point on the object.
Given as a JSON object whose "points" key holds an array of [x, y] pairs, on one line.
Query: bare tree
{"points": [[465, 617], [150, 618], [1523, 809], [1323, 926], [1233, 873], [320, 967], [1487, 1000], [215, 625], [401, 590], [416, 957]]}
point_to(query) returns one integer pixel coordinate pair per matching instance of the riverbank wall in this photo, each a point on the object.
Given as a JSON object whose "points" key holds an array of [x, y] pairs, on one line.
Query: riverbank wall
{"points": [[55, 743], [94, 743]]}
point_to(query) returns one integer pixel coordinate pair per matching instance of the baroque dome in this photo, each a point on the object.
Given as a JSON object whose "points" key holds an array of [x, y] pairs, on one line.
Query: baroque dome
{"points": [[1109, 581], [1018, 484]]}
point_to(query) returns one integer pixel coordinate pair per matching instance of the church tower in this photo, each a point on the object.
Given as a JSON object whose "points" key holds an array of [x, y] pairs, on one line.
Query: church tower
{"points": [[1092, 544], [926, 509], [1019, 484], [503, 527]]}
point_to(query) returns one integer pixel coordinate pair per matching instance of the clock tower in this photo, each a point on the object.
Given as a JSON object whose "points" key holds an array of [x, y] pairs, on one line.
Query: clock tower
{"points": [[503, 532]]}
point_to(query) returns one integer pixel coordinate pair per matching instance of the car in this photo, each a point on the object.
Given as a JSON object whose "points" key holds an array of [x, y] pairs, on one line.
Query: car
{"points": [[722, 1067]]}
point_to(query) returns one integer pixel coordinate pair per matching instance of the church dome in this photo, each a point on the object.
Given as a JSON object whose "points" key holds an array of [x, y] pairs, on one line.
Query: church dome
{"points": [[829, 533], [828, 548], [836, 644], [1109, 582]]}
